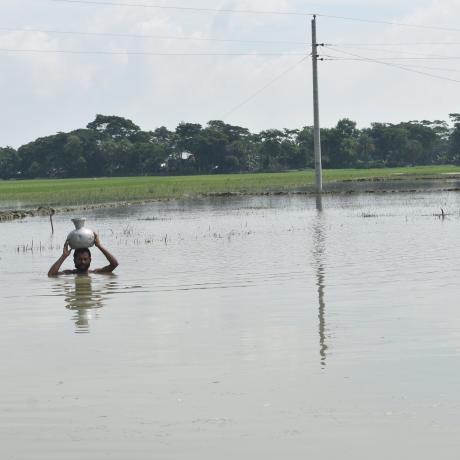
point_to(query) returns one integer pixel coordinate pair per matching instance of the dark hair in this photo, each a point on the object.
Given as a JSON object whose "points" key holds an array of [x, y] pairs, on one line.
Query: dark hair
{"points": [[81, 251]]}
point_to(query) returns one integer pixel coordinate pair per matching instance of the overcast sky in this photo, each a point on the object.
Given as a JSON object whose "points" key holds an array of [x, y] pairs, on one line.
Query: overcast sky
{"points": [[42, 93]]}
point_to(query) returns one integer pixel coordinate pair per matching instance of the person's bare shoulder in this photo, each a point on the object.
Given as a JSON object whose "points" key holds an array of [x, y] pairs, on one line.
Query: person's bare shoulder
{"points": [[102, 271], [63, 272]]}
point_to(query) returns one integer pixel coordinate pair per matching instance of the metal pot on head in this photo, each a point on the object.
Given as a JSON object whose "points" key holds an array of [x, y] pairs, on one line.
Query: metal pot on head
{"points": [[81, 237]]}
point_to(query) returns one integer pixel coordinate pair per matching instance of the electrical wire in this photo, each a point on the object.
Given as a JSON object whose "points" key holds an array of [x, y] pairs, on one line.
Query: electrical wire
{"points": [[442, 69], [398, 66], [376, 21], [184, 8], [140, 53], [158, 37], [411, 58], [230, 10], [212, 53], [379, 49], [340, 58], [271, 82], [213, 39], [365, 45]]}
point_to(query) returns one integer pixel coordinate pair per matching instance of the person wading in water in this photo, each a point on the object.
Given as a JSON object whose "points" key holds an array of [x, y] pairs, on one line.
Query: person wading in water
{"points": [[82, 260]]}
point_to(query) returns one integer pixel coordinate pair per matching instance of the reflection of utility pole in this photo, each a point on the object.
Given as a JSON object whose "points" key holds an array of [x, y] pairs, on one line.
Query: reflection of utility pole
{"points": [[318, 253], [321, 315], [316, 134], [319, 203]]}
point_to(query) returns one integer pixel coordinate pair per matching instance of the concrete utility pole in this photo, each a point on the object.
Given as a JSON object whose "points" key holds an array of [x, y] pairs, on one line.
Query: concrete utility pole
{"points": [[316, 137]]}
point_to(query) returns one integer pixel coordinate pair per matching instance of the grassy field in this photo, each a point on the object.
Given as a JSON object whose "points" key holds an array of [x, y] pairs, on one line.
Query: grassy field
{"points": [[62, 192]]}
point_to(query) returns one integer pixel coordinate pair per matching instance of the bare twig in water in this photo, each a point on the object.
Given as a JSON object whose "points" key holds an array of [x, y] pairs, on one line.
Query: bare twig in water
{"points": [[51, 220], [442, 215]]}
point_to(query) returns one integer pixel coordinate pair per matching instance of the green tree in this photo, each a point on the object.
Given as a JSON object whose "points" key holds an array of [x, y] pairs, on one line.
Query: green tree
{"points": [[365, 151], [210, 150], [47, 156], [187, 137], [339, 144], [114, 127], [270, 149], [306, 146], [9, 163], [454, 140], [390, 143], [112, 145], [75, 161]]}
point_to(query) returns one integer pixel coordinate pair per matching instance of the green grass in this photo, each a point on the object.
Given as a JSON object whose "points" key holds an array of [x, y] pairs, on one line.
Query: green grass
{"points": [[62, 192]]}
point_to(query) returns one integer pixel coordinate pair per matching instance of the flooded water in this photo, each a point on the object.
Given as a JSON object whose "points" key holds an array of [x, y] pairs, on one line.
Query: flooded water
{"points": [[246, 328]]}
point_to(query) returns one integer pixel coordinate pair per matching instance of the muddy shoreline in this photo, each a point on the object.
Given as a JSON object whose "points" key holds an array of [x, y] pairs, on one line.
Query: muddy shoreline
{"points": [[371, 185]]}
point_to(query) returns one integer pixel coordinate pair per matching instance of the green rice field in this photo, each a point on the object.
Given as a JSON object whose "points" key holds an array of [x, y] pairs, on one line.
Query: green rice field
{"points": [[62, 192]]}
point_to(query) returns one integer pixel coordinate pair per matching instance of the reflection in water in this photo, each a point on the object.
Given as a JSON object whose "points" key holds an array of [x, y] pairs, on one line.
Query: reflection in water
{"points": [[80, 297], [319, 244], [319, 202]]}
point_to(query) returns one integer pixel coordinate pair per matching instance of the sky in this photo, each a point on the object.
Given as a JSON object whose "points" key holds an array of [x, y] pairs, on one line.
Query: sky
{"points": [[64, 61]]}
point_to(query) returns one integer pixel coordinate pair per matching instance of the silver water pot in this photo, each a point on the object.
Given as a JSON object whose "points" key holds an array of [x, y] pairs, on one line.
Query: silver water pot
{"points": [[81, 237]]}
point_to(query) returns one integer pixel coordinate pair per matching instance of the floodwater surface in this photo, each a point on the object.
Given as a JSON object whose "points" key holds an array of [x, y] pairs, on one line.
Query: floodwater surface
{"points": [[266, 327]]}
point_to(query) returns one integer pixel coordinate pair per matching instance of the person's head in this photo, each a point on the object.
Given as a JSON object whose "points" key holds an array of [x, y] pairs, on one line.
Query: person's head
{"points": [[82, 259]]}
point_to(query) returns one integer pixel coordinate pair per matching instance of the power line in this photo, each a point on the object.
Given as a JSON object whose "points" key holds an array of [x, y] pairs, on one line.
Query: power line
{"points": [[159, 37], [409, 58], [365, 45], [252, 96], [184, 8], [214, 39], [398, 66], [392, 51], [340, 58], [139, 53], [245, 11], [376, 21], [443, 69], [230, 52]]}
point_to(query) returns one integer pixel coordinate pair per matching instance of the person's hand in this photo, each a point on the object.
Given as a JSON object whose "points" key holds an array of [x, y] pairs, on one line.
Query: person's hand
{"points": [[66, 249], [97, 241]]}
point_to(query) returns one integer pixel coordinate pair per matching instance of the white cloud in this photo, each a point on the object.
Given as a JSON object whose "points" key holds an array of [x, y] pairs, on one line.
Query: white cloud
{"points": [[380, 92], [51, 92]]}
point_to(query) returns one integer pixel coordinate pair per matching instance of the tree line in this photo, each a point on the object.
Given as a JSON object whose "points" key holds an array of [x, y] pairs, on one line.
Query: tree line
{"points": [[115, 146]]}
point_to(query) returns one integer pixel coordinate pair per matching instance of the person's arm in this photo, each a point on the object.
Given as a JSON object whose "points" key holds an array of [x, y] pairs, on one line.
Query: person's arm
{"points": [[113, 262], [54, 270]]}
